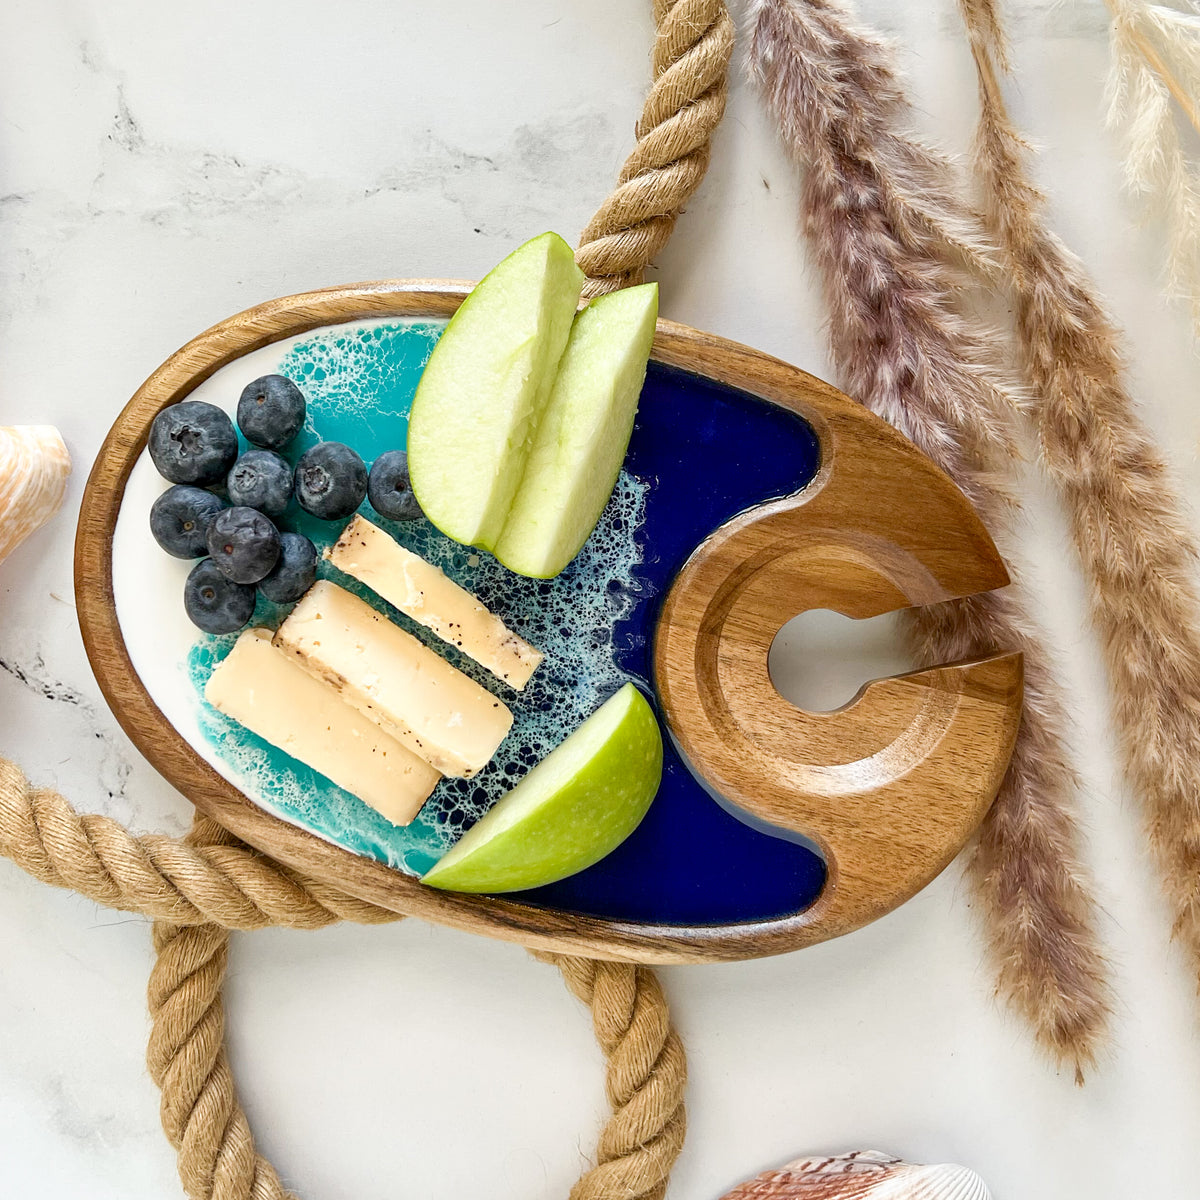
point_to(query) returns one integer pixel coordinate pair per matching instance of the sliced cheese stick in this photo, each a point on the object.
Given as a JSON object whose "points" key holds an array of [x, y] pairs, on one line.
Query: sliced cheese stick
{"points": [[421, 591], [404, 687], [260, 687]]}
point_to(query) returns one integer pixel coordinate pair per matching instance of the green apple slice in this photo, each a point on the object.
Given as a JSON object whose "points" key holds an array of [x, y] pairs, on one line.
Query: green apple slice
{"points": [[483, 390], [580, 444], [578, 804]]}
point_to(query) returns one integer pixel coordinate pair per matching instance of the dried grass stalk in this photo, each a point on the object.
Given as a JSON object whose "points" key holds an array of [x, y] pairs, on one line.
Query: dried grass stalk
{"points": [[1138, 551], [1155, 62], [876, 206]]}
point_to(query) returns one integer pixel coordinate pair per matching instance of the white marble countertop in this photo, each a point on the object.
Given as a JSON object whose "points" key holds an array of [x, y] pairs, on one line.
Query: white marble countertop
{"points": [[164, 165]]}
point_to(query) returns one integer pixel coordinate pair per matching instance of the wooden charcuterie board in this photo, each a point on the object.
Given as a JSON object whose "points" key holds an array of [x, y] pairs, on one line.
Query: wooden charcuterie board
{"points": [[752, 492]]}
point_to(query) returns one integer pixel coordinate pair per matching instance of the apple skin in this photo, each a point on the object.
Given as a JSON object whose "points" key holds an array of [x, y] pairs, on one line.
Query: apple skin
{"points": [[482, 392], [577, 805], [580, 443]]}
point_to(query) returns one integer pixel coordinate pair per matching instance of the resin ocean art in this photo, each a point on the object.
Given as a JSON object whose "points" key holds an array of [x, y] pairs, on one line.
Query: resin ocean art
{"points": [[700, 453]]}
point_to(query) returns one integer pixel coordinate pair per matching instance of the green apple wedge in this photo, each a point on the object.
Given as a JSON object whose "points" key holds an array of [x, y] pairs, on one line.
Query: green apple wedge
{"points": [[580, 444], [482, 392], [578, 804]]}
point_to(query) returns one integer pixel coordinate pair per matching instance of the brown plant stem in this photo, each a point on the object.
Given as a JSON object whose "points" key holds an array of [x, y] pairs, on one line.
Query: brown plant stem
{"points": [[905, 349], [1154, 69], [1145, 46], [1137, 550]]}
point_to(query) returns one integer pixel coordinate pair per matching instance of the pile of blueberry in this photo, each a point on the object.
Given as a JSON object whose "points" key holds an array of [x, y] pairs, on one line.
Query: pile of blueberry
{"points": [[195, 447]]}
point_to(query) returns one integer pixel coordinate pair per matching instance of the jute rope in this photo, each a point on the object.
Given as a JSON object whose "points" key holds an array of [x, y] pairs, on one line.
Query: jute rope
{"points": [[200, 887], [686, 102]]}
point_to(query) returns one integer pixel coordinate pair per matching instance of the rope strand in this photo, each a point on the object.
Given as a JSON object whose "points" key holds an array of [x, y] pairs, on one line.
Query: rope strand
{"points": [[686, 102]]}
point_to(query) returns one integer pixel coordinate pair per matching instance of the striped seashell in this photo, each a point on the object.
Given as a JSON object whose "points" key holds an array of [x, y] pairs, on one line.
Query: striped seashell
{"points": [[862, 1175], [34, 465]]}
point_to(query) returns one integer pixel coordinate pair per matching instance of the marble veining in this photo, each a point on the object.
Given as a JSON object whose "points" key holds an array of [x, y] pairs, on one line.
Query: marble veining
{"points": [[196, 184], [86, 730], [33, 676]]}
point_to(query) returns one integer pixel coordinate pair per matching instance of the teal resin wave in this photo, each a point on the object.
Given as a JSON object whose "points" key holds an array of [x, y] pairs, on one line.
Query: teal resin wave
{"points": [[359, 383]]}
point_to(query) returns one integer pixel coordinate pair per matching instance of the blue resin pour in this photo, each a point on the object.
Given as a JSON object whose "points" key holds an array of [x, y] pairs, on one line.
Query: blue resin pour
{"points": [[700, 454]]}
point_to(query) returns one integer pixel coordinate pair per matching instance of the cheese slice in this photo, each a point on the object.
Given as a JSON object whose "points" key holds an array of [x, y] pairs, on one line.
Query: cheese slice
{"points": [[420, 590], [259, 686], [404, 687]]}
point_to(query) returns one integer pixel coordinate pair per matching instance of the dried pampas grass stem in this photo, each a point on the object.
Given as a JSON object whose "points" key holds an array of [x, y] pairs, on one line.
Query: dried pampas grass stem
{"points": [[1156, 59], [1138, 551], [886, 226]]}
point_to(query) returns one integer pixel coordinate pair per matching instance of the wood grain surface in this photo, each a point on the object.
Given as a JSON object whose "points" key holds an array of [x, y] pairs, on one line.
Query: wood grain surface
{"points": [[888, 787]]}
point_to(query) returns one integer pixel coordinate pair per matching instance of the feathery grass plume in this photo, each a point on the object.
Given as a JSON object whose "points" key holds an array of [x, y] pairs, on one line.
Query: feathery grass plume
{"points": [[1138, 552], [1156, 59], [874, 206]]}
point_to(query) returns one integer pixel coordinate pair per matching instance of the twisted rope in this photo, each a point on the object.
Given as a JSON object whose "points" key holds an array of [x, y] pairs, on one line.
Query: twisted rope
{"points": [[184, 882], [690, 63], [644, 1083], [200, 887]]}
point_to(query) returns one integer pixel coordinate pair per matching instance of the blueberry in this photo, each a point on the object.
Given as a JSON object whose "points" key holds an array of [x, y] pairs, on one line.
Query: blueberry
{"points": [[244, 544], [180, 517], [214, 603], [270, 411], [193, 442], [294, 573], [331, 481], [390, 489], [261, 479]]}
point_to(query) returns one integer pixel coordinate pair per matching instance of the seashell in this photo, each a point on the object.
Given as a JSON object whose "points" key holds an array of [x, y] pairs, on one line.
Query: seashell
{"points": [[34, 465], [865, 1174]]}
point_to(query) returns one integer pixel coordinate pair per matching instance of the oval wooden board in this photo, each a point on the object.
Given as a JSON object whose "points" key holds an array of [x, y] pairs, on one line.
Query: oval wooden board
{"points": [[936, 832]]}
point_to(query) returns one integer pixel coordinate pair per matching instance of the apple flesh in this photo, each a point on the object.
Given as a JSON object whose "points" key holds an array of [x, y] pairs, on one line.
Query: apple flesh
{"points": [[481, 395], [578, 804], [581, 440]]}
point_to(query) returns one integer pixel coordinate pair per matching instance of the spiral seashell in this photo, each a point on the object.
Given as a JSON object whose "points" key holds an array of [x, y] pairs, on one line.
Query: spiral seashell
{"points": [[862, 1175], [34, 465]]}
